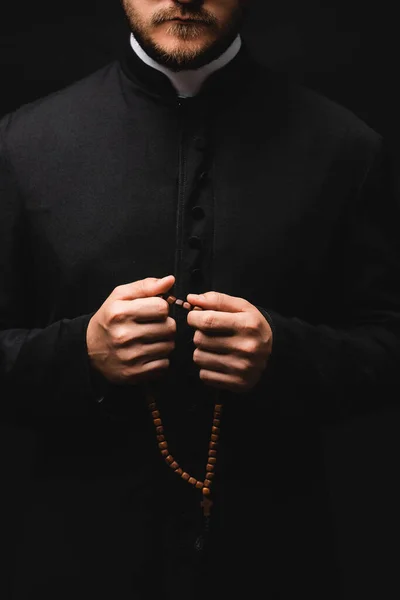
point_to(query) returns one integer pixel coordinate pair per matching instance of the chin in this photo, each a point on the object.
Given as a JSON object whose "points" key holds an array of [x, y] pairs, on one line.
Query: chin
{"points": [[182, 48]]}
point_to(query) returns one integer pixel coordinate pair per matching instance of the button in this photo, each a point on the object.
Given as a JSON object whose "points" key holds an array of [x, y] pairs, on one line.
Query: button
{"points": [[203, 175], [196, 274], [195, 241], [197, 212], [200, 143]]}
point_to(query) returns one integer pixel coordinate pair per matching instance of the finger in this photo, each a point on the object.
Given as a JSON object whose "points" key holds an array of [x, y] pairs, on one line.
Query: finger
{"points": [[214, 343], [218, 301], [213, 322], [141, 354], [148, 310], [140, 310], [144, 288], [150, 333], [156, 351], [214, 362], [222, 381], [128, 334], [149, 371]]}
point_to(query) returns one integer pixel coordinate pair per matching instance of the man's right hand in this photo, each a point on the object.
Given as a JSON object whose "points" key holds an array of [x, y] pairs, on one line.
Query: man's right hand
{"points": [[131, 336]]}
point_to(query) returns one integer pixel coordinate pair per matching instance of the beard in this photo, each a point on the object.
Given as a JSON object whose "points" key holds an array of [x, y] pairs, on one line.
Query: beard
{"points": [[197, 55]]}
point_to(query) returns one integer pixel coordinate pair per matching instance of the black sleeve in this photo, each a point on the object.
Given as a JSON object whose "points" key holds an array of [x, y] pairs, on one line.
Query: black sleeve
{"points": [[349, 362], [42, 370]]}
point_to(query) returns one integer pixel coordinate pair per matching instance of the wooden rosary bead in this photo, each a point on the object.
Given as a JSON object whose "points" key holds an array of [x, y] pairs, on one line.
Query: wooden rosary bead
{"points": [[183, 303], [205, 485]]}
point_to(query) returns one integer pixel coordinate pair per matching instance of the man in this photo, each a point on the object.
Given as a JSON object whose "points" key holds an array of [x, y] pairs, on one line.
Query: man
{"points": [[199, 267]]}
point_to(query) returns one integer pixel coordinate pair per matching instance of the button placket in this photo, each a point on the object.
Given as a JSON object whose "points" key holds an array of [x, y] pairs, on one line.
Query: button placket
{"points": [[195, 242], [198, 213], [195, 239]]}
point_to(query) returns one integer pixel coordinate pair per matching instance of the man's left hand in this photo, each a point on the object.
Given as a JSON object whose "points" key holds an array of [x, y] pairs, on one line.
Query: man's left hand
{"points": [[233, 341]]}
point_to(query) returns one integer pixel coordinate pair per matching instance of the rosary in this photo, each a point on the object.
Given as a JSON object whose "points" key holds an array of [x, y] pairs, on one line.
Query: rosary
{"points": [[205, 485]]}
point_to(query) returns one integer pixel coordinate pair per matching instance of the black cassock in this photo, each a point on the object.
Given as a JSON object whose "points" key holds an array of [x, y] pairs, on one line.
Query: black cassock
{"points": [[257, 188]]}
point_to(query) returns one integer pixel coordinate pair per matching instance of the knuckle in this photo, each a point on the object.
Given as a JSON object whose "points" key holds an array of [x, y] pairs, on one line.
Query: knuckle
{"points": [[146, 285], [197, 338], [208, 321], [117, 291], [216, 299], [113, 313], [246, 367], [136, 355], [119, 336], [162, 308], [249, 347], [203, 375], [126, 374], [171, 325], [250, 323], [159, 366]]}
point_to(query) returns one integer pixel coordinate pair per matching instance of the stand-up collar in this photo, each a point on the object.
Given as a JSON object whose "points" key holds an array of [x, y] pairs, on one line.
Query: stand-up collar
{"points": [[188, 83], [229, 80]]}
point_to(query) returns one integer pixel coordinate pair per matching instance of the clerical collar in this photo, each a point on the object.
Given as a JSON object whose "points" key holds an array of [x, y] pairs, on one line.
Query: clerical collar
{"points": [[188, 83]]}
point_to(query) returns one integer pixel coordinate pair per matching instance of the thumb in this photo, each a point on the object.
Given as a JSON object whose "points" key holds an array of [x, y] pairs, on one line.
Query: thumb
{"points": [[218, 301], [145, 288]]}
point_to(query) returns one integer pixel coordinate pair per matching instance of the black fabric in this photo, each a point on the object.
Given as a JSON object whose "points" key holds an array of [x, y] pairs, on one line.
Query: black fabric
{"points": [[98, 182]]}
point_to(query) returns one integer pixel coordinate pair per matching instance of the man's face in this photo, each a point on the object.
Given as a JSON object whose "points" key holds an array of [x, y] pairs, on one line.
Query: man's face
{"points": [[184, 34]]}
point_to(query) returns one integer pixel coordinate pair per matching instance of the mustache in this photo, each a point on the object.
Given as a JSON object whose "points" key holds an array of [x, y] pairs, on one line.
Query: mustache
{"points": [[189, 12]]}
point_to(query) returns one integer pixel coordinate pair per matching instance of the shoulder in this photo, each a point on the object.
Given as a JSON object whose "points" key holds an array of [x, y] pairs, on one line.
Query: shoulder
{"points": [[301, 106], [60, 112]]}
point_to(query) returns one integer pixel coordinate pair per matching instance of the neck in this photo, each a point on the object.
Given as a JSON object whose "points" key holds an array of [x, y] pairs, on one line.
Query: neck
{"points": [[188, 83]]}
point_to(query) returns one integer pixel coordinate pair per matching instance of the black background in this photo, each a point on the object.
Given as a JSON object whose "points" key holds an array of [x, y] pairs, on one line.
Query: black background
{"points": [[348, 51]]}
